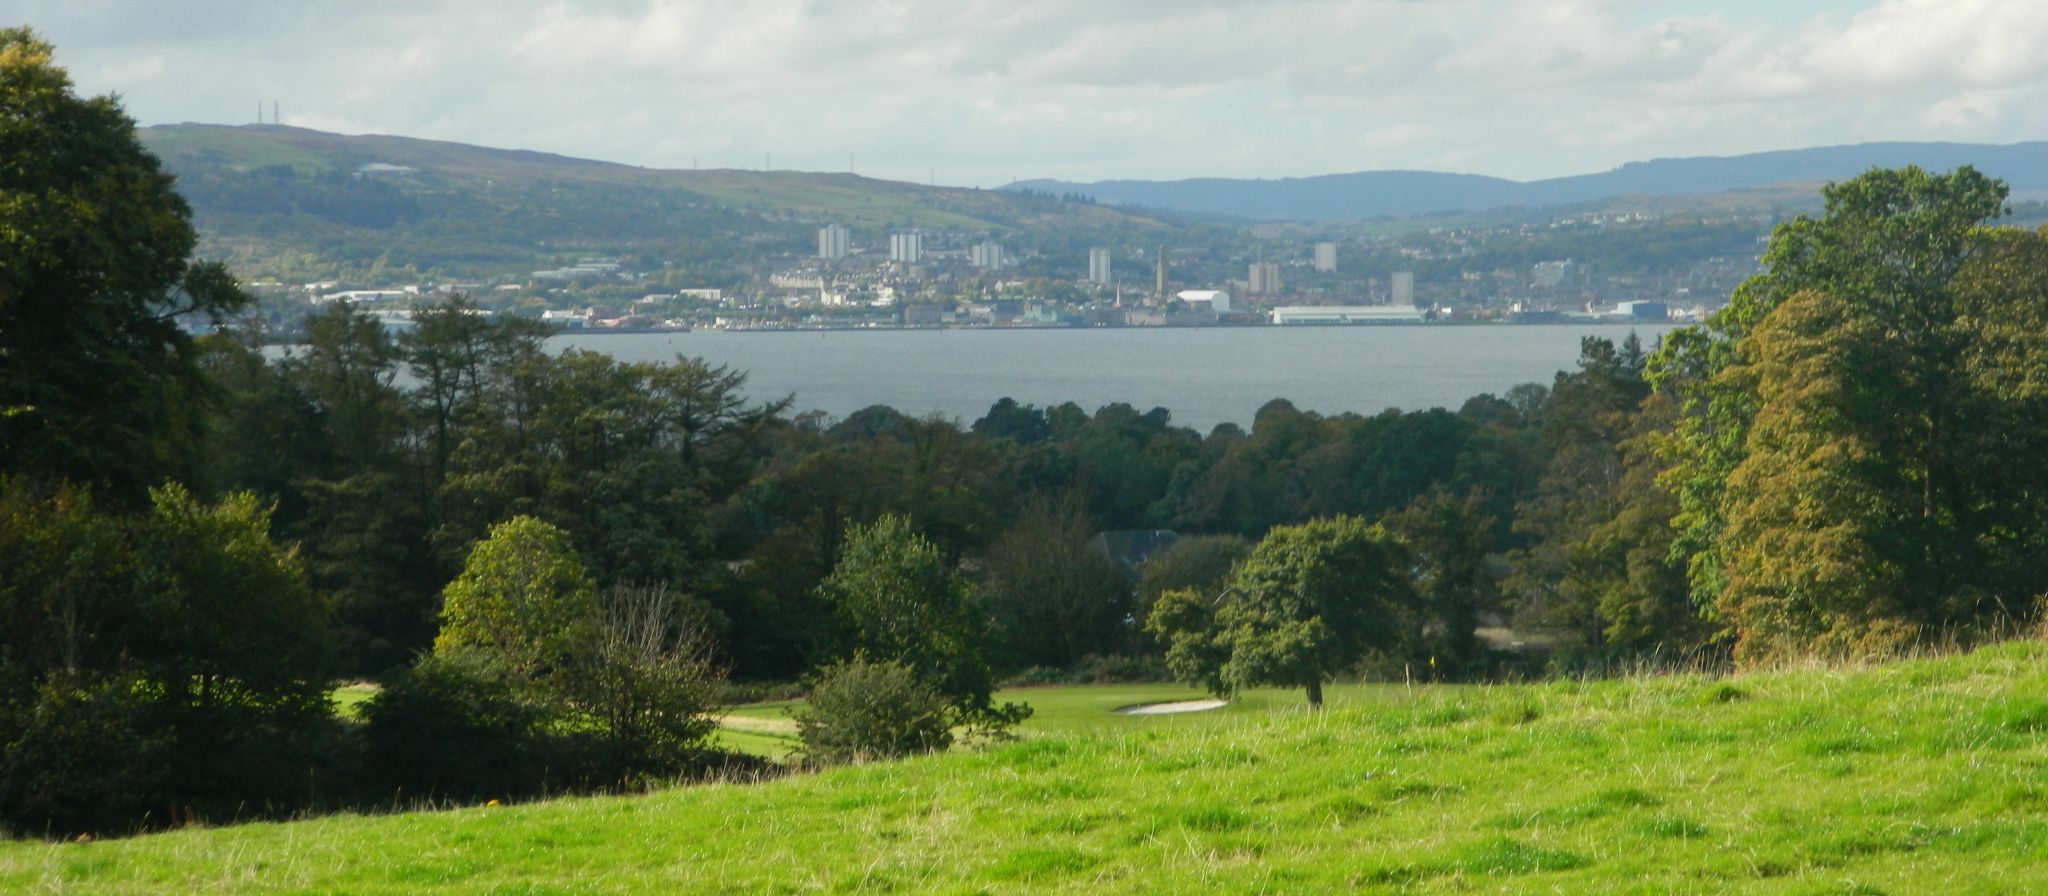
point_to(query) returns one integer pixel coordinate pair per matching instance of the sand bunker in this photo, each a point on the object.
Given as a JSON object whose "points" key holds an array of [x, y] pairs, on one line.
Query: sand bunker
{"points": [[1160, 709]]}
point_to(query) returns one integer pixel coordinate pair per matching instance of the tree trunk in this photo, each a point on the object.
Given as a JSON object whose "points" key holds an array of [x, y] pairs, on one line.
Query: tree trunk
{"points": [[1315, 693]]}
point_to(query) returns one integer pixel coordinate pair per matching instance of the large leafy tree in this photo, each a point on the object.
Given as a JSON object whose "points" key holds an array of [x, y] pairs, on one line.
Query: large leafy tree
{"points": [[1310, 602], [97, 378], [1809, 563], [1448, 542], [459, 356], [523, 606], [1843, 461]]}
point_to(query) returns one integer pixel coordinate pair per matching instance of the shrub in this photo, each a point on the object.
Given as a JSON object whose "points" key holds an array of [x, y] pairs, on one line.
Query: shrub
{"points": [[863, 710], [1121, 669], [442, 730], [180, 649], [647, 679], [82, 757]]}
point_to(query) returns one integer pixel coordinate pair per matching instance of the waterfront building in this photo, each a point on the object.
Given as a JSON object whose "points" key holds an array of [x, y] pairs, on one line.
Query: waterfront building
{"points": [[1347, 314], [1643, 310], [1213, 299]]}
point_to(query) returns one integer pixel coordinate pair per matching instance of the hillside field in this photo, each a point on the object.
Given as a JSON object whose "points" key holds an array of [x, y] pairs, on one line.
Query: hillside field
{"points": [[1924, 776]]}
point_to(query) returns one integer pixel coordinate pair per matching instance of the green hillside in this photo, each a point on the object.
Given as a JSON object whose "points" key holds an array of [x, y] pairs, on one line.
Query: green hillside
{"points": [[1916, 777], [286, 201]]}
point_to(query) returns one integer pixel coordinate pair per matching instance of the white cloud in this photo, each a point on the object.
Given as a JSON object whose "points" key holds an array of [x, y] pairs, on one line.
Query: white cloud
{"points": [[131, 71], [1949, 43], [984, 90]]}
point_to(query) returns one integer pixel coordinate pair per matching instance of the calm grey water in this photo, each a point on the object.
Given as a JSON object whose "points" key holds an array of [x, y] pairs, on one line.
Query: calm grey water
{"points": [[1204, 376]]}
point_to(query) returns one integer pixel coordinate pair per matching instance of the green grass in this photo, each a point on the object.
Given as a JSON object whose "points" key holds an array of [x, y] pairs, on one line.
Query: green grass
{"points": [[349, 698], [768, 729], [1929, 776]]}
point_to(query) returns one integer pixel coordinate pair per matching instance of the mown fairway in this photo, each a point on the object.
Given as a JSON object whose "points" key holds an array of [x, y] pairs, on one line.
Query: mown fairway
{"points": [[768, 729], [1928, 776]]}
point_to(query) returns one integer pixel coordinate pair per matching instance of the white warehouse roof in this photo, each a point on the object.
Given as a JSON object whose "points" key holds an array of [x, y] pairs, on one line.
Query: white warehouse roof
{"points": [[1347, 314]]}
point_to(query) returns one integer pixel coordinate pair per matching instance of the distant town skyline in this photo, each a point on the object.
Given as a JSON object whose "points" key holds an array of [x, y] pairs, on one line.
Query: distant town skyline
{"points": [[977, 93]]}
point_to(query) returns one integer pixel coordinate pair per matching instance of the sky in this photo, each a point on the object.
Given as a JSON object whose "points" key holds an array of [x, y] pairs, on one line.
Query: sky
{"points": [[976, 93]]}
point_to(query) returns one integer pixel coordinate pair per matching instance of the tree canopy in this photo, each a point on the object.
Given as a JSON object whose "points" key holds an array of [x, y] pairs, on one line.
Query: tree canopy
{"points": [[97, 380], [1842, 458], [523, 605], [1307, 604]]}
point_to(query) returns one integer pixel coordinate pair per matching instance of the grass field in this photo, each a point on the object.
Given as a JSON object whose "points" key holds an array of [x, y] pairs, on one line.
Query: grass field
{"points": [[1929, 776], [768, 729], [349, 698]]}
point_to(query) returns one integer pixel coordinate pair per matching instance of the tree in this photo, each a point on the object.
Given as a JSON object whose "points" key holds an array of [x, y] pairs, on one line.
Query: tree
{"points": [[2002, 306], [1200, 562], [1867, 493], [363, 515], [458, 356], [901, 603], [179, 651], [1007, 419], [633, 665], [1447, 541], [1310, 602], [522, 607], [648, 677], [97, 379], [238, 647], [1807, 506], [1597, 567], [1184, 620], [1052, 598], [1888, 244]]}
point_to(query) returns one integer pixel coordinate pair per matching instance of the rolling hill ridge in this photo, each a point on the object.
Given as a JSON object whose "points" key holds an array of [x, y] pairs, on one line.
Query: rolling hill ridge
{"points": [[1368, 194], [292, 202]]}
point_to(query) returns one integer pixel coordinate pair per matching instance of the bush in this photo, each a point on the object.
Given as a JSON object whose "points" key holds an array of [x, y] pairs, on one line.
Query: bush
{"points": [[868, 710], [155, 667], [1121, 669], [439, 730], [82, 757], [1111, 669], [647, 679]]}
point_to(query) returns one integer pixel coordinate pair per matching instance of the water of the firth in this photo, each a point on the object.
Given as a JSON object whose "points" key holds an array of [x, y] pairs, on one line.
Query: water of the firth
{"points": [[1203, 376]]}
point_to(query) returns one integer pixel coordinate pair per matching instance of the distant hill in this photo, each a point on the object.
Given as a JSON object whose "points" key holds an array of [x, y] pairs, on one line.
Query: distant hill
{"points": [[1368, 194], [294, 202]]}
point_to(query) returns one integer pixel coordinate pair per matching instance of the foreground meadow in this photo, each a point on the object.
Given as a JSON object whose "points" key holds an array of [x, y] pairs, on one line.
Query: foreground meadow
{"points": [[1915, 777]]}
